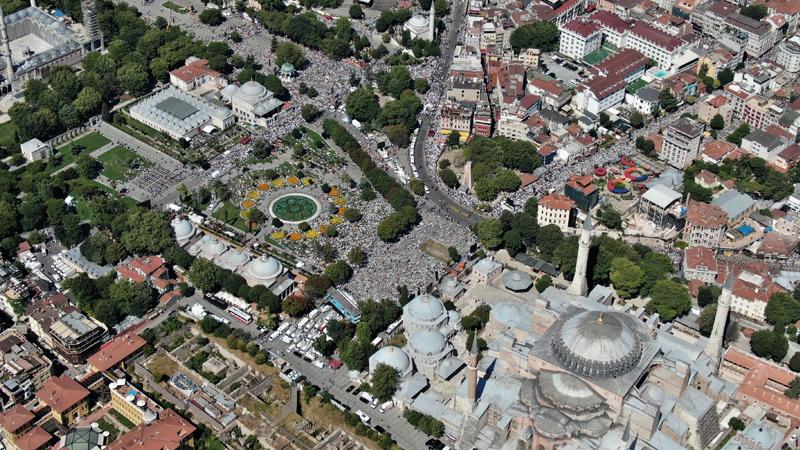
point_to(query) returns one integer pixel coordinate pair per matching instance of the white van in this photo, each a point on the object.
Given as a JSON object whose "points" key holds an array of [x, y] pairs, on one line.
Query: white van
{"points": [[385, 406], [364, 418]]}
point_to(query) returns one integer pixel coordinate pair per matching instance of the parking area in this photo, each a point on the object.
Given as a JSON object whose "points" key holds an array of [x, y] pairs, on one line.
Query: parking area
{"points": [[562, 70]]}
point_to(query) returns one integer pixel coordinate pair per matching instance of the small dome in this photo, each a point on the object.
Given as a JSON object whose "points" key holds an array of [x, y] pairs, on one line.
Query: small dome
{"points": [[236, 257], [506, 313], [517, 280], [287, 68], [216, 247], [418, 21], [427, 341], [183, 229], [264, 268], [597, 343], [426, 308], [391, 356]]}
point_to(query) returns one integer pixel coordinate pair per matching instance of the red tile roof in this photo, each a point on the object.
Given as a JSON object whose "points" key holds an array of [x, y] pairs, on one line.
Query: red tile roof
{"points": [[556, 201], [788, 7], [147, 264], [610, 20], [790, 153], [603, 87], [116, 350], [194, 70], [717, 150], [582, 27], [34, 439], [705, 215], [701, 257], [61, 393], [15, 418], [625, 63], [717, 101], [751, 291], [655, 36], [776, 244], [167, 433], [583, 183], [764, 382]]}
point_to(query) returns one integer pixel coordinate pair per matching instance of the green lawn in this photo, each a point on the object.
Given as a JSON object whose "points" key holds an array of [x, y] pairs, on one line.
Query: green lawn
{"points": [[177, 8], [229, 213], [597, 56], [7, 133], [81, 185], [105, 425], [119, 163], [121, 419], [635, 86], [89, 142]]}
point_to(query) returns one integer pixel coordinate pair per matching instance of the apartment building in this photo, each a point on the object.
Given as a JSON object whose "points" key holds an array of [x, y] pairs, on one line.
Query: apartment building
{"points": [[457, 118], [760, 112], [700, 263], [579, 38], [24, 368], [705, 225], [169, 432], [62, 327], [132, 403], [582, 190], [681, 143], [756, 37], [765, 145], [599, 94], [66, 398]]}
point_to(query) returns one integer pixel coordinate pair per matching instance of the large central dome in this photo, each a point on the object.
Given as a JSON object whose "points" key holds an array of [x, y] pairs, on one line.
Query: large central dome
{"points": [[597, 343]]}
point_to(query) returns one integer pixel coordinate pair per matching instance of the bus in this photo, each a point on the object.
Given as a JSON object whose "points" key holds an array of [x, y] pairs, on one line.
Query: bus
{"points": [[239, 315]]}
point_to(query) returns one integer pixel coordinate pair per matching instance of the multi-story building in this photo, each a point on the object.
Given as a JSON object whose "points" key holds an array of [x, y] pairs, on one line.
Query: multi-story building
{"points": [[551, 92], [760, 112], [579, 38], [599, 94], [752, 289], [716, 104], [512, 126], [700, 263], [736, 205], [133, 404], [655, 44], [556, 209], [705, 225], [16, 421], [738, 95], [169, 432], [661, 206], [765, 145], [457, 118], [24, 368], [117, 352], [710, 17], [788, 54], [62, 327], [482, 119], [756, 36], [194, 74], [582, 190], [464, 90], [66, 398], [627, 64], [681, 143], [530, 57]]}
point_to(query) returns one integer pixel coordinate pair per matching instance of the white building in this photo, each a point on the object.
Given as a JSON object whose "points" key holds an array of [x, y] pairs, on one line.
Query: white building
{"points": [[599, 94], [681, 143], [579, 38], [180, 115], [764, 145], [251, 103], [700, 263], [34, 150], [555, 209], [194, 74], [643, 100], [788, 54]]}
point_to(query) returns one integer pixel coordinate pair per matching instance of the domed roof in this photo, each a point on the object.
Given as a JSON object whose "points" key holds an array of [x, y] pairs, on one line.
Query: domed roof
{"points": [[237, 257], [418, 21], [252, 91], [264, 268], [426, 308], [216, 247], [391, 356], [568, 391], [506, 313], [182, 228], [517, 280], [287, 68], [427, 341], [597, 343]]}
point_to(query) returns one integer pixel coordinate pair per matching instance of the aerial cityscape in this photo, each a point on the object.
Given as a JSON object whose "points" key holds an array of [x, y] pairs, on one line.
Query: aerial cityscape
{"points": [[399, 224]]}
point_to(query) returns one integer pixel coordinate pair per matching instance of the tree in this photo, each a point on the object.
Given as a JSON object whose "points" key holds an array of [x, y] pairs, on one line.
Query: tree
{"points": [[794, 362], [627, 277], [452, 253], [421, 85], [706, 319], [212, 17], [769, 344], [543, 283], [356, 354], [669, 299], [326, 347], [736, 424], [542, 35], [449, 178], [548, 239], [356, 12], [352, 215], [725, 76], [71, 231], [317, 285], [756, 12], [385, 380], [636, 120], [740, 132], [339, 272], [667, 101], [417, 186], [133, 78], [87, 166], [204, 275], [134, 299], [717, 122], [609, 217], [290, 53], [149, 232], [309, 112], [490, 233], [256, 218], [782, 307], [63, 81], [512, 241], [363, 105], [398, 135], [88, 101], [297, 306], [357, 256], [645, 145]]}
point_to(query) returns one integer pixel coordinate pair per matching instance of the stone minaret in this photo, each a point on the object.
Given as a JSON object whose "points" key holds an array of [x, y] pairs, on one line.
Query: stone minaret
{"points": [[33, 3], [472, 375], [431, 23], [4, 42], [580, 285], [714, 344], [90, 23]]}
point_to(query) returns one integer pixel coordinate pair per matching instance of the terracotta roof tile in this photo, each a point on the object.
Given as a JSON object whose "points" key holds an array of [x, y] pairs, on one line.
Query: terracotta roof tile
{"points": [[61, 393]]}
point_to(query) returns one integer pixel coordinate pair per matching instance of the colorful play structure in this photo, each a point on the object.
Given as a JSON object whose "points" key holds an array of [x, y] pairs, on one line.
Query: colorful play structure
{"points": [[619, 186]]}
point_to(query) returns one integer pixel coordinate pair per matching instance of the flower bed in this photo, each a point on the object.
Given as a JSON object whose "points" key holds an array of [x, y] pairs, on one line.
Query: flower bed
{"points": [[619, 186], [627, 162], [336, 220], [636, 174], [307, 181], [278, 183], [323, 229], [296, 236], [293, 180], [278, 235], [263, 187], [335, 192], [245, 214], [340, 201], [312, 234], [247, 204], [253, 195], [600, 171]]}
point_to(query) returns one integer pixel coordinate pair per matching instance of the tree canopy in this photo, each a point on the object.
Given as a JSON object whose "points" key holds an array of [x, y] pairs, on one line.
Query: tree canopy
{"points": [[542, 35]]}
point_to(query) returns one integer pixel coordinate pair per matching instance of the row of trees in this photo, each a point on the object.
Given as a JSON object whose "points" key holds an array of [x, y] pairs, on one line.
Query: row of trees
{"points": [[405, 215]]}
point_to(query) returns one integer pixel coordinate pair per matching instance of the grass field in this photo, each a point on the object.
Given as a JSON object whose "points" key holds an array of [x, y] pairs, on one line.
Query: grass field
{"points": [[121, 419], [597, 56], [229, 213], [7, 132], [635, 86], [174, 7], [119, 163], [89, 142], [436, 250]]}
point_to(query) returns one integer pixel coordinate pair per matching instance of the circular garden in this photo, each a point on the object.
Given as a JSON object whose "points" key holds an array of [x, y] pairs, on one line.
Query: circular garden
{"points": [[295, 208]]}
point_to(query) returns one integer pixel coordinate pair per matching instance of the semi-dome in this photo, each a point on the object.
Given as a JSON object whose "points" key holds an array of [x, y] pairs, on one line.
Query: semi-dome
{"points": [[252, 91], [568, 392], [426, 308], [391, 356], [597, 343], [427, 341], [264, 268], [183, 229]]}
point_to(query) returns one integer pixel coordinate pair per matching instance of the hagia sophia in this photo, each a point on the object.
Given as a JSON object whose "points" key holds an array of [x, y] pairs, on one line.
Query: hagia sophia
{"points": [[561, 371]]}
